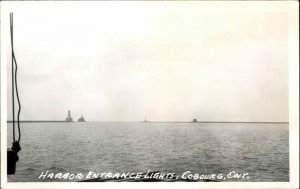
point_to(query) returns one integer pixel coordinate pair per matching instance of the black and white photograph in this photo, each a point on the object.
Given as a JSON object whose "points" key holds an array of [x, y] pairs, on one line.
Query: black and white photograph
{"points": [[149, 94]]}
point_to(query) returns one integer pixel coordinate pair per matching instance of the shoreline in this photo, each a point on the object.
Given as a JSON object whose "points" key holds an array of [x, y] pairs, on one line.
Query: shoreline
{"points": [[255, 122], [62, 121]]}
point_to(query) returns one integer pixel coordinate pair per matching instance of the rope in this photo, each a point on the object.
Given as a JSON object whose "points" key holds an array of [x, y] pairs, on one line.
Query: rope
{"points": [[18, 98], [15, 84]]}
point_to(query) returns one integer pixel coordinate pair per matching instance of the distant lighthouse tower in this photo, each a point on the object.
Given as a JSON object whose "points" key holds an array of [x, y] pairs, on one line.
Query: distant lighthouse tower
{"points": [[69, 118]]}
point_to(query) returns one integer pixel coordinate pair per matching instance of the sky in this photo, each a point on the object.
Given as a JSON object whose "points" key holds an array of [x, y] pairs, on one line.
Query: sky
{"points": [[169, 61]]}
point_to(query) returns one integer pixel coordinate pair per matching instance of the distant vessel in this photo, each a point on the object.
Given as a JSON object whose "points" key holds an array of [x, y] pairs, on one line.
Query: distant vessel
{"points": [[69, 118], [195, 121], [81, 119], [145, 119]]}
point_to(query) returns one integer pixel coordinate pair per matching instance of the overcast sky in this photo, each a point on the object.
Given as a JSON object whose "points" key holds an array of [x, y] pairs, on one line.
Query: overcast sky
{"points": [[122, 61]]}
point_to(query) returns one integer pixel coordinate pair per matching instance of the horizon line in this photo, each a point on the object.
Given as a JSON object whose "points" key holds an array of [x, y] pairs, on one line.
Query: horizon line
{"points": [[270, 122]]}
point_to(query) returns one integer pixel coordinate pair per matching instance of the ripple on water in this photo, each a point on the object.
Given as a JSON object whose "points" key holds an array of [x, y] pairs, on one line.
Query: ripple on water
{"points": [[259, 149]]}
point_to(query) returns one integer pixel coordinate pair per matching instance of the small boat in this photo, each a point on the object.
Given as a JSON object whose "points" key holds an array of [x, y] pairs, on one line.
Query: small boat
{"points": [[81, 119]]}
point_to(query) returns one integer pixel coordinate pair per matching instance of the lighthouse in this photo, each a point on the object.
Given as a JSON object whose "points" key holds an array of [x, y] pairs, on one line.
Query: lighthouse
{"points": [[69, 118]]}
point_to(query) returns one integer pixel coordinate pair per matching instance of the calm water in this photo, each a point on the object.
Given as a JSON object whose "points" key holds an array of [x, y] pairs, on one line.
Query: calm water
{"points": [[258, 149]]}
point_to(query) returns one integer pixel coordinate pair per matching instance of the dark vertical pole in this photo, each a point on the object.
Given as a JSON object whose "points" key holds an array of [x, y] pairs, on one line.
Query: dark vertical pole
{"points": [[12, 71]]}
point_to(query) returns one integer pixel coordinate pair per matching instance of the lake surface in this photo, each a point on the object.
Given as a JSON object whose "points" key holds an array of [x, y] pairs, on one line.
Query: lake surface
{"points": [[261, 150]]}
